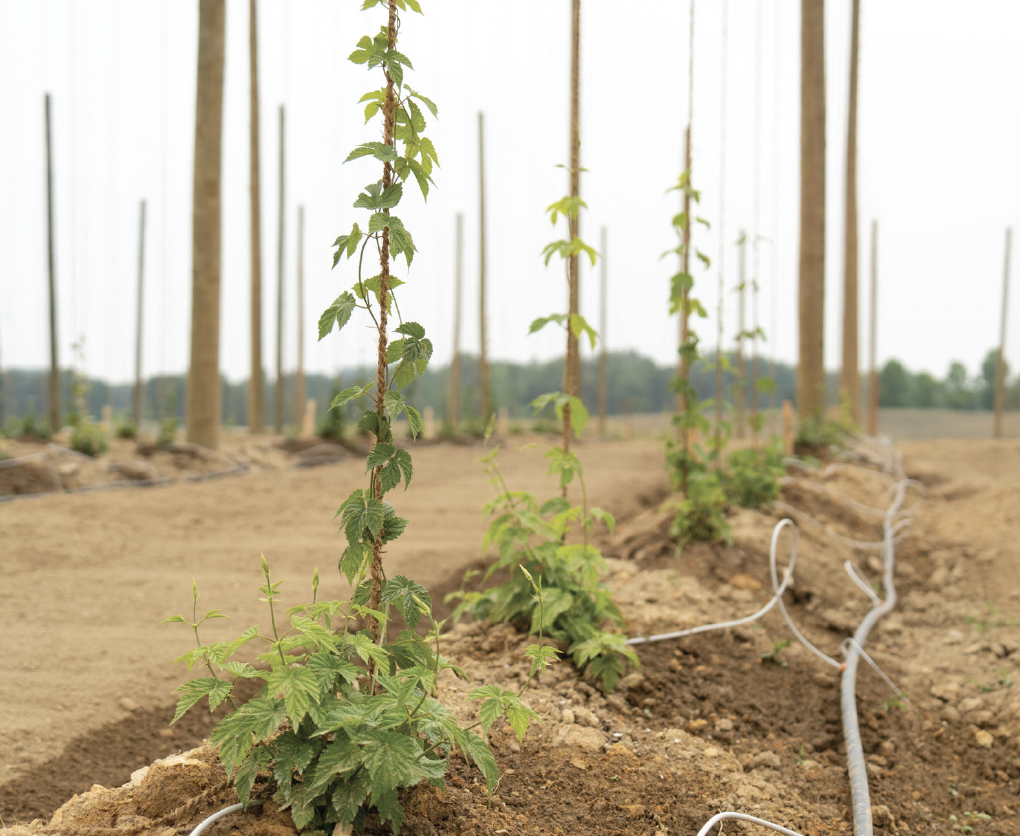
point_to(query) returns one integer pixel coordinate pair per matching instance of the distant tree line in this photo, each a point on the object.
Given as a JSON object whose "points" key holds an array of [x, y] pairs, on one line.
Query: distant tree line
{"points": [[899, 387], [635, 383]]}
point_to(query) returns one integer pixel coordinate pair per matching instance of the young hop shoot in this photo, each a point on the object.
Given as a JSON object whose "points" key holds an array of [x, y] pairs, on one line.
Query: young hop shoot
{"points": [[349, 717]]}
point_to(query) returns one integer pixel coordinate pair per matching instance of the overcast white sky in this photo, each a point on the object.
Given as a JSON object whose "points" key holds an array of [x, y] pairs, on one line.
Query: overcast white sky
{"points": [[938, 130]]}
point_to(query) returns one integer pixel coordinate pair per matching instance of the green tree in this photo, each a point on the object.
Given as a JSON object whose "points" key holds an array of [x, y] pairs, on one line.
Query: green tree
{"points": [[959, 393], [925, 391], [893, 384], [989, 367]]}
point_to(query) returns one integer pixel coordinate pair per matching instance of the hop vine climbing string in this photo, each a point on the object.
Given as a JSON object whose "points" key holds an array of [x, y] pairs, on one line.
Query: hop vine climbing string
{"points": [[349, 717]]}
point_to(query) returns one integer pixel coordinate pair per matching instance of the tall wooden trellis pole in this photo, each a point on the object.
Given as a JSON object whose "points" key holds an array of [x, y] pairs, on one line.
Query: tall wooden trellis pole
{"points": [[453, 393], [483, 357], [136, 411], [1000, 363], [278, 393], [256, 381], [54, 405]]}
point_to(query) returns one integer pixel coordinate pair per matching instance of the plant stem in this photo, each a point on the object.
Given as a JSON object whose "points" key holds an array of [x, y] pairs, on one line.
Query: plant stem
{"points": [[389, 119], [572, 377]]}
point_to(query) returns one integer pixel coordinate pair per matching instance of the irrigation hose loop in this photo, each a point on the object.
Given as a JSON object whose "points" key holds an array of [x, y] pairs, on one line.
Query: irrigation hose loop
{"points": [[858, 577], [779, 589], [849, 642], [226, 811], [718, 817], [896, 529]]}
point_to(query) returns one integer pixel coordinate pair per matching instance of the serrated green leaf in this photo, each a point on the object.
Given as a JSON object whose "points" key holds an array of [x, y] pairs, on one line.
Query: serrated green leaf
{"points": [[519, 716], [339, 313], [291, 753], [578, 414], [394, 403], [393, 526], [255, 721], [311, 629], [174, 619], [391, 760], [421, 176], [389, 808], [193, 690], [348, 796], [336, 758], [327, 666], [380, 150], [393, 351], [349, 394], [379, 455], [414, 421], [425, 100], [555, 602], [245, 778], [411, 329], [477, 750], [368, 649], [579, 325], [300, 688], [353, 560], [240, 669], [410, 597], [542, 321], [360, 512]]}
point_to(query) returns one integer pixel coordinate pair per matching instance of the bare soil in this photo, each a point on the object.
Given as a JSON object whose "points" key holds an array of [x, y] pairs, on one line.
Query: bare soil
{"points": [[705, 725]]}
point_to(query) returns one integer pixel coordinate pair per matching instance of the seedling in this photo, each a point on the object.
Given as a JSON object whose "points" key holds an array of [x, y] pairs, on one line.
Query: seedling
{"points": [[347, 718], [992, 620], [774, 657], [751, 477], [967, 828], [898, 701], [551, 541]]}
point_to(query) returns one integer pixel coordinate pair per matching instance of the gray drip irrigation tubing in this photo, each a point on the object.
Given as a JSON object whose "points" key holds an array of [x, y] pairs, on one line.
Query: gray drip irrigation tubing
{"points": [[219, 814], [853, 648], [108, 486]]}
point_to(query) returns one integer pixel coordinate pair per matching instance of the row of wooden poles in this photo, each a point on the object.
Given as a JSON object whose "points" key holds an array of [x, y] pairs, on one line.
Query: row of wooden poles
{"points": [[256, 384], [812, 30]]}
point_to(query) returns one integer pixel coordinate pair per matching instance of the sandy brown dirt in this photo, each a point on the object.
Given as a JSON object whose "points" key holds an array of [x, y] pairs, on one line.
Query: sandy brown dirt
{"points": [[87, 578], [705, 726]]}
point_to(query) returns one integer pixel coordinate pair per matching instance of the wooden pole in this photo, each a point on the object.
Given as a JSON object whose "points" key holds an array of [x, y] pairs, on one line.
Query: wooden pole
{"points": [[811, 301], [256, 379], [572, 378], [788, 428], [850, 382], [717, 433], [757, 223], [3, 405], [741, 392], [136, 412], [54, 363], [278, 393], [681, 401], [203, 407], [453, 395], [299, 384], [484, 404], [873, 336], [1000, 364], [603, 354], [774, 326]]}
